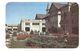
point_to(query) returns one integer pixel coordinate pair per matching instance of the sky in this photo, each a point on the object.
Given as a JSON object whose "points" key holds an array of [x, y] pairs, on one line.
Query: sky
{"points": [[15, 11]]}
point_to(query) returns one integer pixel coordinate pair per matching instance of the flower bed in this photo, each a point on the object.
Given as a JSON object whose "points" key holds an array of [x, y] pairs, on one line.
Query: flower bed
{"points": [[23, 36]]}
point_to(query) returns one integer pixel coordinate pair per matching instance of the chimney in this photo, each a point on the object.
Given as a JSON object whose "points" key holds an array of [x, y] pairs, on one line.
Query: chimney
{"points": [[69, 6]]}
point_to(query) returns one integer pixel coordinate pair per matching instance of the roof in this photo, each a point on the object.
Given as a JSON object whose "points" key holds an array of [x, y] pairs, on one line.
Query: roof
{"points": [[49, 5], [58, 5], [40, 16], [12, 25]]}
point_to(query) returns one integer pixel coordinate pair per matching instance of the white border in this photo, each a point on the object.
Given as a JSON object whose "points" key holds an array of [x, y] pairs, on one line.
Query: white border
{"points": [[2, 26]]}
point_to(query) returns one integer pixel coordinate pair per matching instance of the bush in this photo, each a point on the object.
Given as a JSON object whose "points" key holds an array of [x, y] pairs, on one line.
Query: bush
{"points": [[31, 32], [21, 37]]}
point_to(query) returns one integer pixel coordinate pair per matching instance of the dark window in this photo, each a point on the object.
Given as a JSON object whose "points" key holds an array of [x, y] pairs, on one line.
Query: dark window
{"points": [[27, 29], [43, 24], [9, 29], [44, 29], [14, 29], [35, 23]]}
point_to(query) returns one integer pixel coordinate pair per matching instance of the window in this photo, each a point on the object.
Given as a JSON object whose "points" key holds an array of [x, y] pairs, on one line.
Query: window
{"points": [[27, 23], [35, 23], [14, 29], [43, 23], [27, 28], [9, 29], [44, 29]]}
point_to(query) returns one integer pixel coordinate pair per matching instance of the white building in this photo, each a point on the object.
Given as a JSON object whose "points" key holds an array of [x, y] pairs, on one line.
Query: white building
{"points": [[27, 25], [11, 27]]}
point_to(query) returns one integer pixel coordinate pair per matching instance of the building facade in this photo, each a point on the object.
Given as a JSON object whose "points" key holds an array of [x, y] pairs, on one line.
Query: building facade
{"points": [[69, 19], [12, 28], [62, 18], [53, 17], [32, 25]]}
